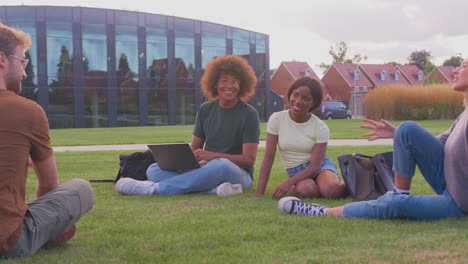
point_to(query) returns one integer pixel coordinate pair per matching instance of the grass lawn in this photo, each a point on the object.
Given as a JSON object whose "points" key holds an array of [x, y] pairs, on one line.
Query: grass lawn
{"points": [[199, 228], [339, 129]]}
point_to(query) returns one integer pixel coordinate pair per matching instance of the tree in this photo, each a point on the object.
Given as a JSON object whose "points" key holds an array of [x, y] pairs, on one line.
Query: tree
{"points": [[419, 58], [339, 53], [394, 63], [428, 67], [454, 61], [123, 63]]}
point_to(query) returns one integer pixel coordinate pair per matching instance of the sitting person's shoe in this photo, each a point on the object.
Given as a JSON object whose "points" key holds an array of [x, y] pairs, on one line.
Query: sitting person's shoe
{"points": [[226, 189], [133, 187], [293, 205], [63, 238]]}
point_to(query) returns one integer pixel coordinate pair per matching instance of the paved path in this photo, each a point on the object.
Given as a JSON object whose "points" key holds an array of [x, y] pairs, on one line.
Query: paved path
{"points": [[333, 142]]}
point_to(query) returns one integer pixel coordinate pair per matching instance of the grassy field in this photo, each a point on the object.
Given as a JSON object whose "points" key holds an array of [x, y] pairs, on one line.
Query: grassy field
{"points": [[199, 228], [339, 129]]}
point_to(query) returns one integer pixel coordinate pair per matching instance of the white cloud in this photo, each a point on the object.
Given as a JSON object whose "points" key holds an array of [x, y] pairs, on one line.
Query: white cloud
{"points": [[304, 30]]}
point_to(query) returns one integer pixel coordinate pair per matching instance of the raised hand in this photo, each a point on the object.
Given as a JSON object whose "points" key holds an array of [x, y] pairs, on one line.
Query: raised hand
{"points": [[379, 130]]}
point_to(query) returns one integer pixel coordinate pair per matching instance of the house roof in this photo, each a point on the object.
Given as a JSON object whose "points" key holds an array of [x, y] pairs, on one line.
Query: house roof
{"points": [[347, 71], [411, 73], [447, 72], [297, 69], [373, 71]]}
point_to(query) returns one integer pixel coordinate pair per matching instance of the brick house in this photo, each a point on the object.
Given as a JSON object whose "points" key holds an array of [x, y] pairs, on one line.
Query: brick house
{"points": [[441, 74], [286, 74], [412, 74], [351, 82], [346, 80]]}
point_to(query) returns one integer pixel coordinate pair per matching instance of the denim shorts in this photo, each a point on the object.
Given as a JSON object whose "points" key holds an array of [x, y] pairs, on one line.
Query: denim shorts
{"points": [[327, 164]]}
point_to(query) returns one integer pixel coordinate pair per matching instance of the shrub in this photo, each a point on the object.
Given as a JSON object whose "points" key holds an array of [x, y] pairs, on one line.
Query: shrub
{"points": [[413, 102]]}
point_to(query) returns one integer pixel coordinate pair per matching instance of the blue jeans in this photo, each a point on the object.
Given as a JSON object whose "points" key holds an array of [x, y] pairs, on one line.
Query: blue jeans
{"points": [[327, 164], [412, 145], [206, 178]]}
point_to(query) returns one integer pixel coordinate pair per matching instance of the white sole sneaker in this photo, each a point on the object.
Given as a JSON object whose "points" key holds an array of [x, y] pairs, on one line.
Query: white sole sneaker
{"points": [[226, 189], [285, 204], [130, 186], [293, 205]]}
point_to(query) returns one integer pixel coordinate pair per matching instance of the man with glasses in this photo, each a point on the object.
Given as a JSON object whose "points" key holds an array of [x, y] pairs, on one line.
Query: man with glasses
{"points": [[24, 134]]}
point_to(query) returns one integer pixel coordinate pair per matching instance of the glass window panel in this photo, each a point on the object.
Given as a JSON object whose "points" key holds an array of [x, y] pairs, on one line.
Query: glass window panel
{"points": [[185, 112], [126, 49], [156, 21], [209, 53], [95, 75], [20, 14], [60, 75], [158, 106], [156, 35], [212, 47], [209, 40], [93, 16], [214, 29], [260, 39], [241, 48], [183, 25], [241, 35], [94, 48], [258, 101], [126, 33], [157, 93], [182, 38], [58, 14], [260, 67], [29, 84], [185, 58]]}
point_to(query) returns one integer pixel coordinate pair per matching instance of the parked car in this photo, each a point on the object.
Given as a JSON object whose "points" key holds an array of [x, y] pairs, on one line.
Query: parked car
{"points": [[333, 110]]}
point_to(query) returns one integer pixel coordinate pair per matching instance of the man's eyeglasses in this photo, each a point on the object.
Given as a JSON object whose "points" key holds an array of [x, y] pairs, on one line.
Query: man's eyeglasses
{"points": [[24, 62]]}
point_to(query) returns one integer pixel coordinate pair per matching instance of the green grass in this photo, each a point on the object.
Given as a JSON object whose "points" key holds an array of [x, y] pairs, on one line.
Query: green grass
{"points": [[339, 129], [199, 228]]}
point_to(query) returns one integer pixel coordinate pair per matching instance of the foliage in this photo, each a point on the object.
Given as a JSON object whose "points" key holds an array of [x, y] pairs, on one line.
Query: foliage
{"points": [[454, 61], [428, 67], [201, 228], [419, 58], [340, 54], [402, 102]]}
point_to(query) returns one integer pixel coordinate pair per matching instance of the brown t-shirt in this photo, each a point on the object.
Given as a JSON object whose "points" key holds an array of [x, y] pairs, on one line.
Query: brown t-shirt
{"points": [[24, 133]]}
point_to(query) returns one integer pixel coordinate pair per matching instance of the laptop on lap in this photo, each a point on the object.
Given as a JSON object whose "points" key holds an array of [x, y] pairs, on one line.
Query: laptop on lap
{"points": [[174, 157]]}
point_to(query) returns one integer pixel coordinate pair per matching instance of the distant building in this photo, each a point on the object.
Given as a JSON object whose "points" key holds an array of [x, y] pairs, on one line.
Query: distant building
{"points": [[350, 82], [287, 73], [412, 73], [93, 67], [441, 74]]}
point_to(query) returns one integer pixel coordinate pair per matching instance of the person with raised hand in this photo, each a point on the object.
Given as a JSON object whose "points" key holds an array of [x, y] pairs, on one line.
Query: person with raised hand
{"points": [[441, 159]]}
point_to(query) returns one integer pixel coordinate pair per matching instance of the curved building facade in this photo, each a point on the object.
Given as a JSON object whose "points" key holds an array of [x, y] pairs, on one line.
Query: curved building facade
{"points": [[94, 67]]}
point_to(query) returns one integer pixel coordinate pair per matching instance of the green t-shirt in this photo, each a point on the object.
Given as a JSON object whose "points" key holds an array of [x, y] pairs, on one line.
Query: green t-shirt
{"points": [[226, 129]]}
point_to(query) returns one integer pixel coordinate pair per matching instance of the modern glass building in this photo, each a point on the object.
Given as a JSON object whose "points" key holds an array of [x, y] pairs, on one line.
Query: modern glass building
{"points": [[106, 68]]}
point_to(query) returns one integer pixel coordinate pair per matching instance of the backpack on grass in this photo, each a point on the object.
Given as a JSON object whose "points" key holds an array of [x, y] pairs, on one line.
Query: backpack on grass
{"points": [[133, 166]]}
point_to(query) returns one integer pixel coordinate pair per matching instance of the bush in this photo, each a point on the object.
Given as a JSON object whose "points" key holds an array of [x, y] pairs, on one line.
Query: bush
{"points": [[413, 102]]}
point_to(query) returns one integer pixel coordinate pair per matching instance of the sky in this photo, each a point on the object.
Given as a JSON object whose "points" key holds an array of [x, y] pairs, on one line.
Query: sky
{"points": [[304, 30]]}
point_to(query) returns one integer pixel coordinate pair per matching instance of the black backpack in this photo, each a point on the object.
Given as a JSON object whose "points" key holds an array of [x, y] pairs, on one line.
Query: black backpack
{"points": [[134, 165]]}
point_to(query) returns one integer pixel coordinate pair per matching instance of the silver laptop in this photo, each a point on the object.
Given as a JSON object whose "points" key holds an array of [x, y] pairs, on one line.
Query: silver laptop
{"points": [[174, 157]]}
